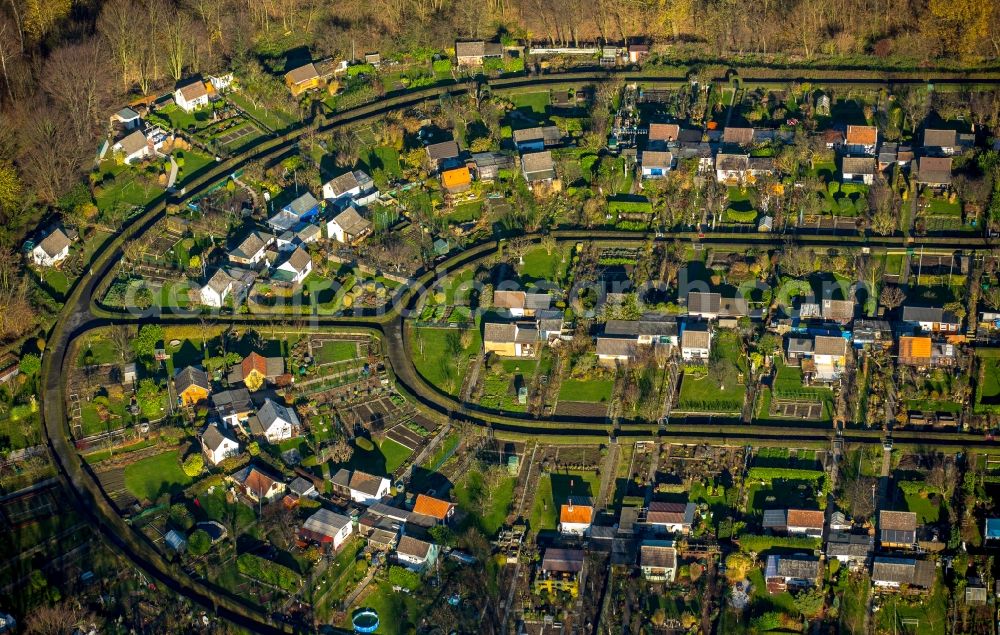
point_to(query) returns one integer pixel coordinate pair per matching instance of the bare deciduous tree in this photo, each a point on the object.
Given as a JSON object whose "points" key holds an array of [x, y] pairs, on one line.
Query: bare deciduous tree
{"points": [[892, 297]]}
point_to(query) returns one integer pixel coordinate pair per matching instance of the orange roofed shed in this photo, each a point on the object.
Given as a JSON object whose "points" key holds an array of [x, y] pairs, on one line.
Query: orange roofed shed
{"points": [[576, 514], [457, 180], [915, 350], [433, 507]]}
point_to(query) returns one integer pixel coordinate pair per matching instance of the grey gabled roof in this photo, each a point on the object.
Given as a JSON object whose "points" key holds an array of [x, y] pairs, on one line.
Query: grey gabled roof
{"points": [[410, 546], [940, 138], [928, 314], [342, 478], [799, 345], [132, 143], [301, 486], [303, 204], [493, 159], [549, 135], [536, 301], [499, 332], [212, 437], [774, 518], [443, 150], [616, 347], [272, 411], [365, 483], [55, 242], [343, 183], [538, 163], [299, 259], [326, 523], [220, 282], [898, 570], [254, 242], [191, 376], [701, 302], [798, 567], [562, 560], [859, 165], [842, 543], [351, 221], [302, 74], [233, 400]]}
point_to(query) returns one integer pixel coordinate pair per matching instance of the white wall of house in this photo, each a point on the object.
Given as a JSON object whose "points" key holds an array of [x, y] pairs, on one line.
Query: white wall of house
{"points": [[573, 529], [690, 353], [42, 259], [189, 106], [226, 449], [211, 297], [867, 179], [280, 430]]}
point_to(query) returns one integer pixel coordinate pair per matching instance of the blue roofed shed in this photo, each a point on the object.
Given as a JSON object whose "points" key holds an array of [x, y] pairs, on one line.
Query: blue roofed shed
{"points": [[305, 206], [175, 540], [992, 529]]}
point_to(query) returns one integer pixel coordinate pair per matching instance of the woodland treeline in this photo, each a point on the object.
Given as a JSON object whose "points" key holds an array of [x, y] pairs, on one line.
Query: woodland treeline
{"points": [[65, 64]]}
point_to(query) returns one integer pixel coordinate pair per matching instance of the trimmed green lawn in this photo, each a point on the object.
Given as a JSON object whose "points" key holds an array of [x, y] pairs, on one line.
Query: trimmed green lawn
{"points": [[990, 387], [764, 601], [150, 478], [465, 212], [335, 351], [591, 390], [740, 209], [788, 384], [395, 454], [894, 264], [193, 163], [944, 207], [214, 506], [702, 392], [555, 489], [96, 350], [927, 510], [57, 281], [126, 191], [931, 405], [180, 119], [536, 102], [541, 265], [439, 356], [825, 170]]}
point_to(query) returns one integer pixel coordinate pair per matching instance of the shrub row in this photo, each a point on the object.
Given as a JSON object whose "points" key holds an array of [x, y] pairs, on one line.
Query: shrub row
{"points": [[789, 473], [755, 543], [268, 572]]}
